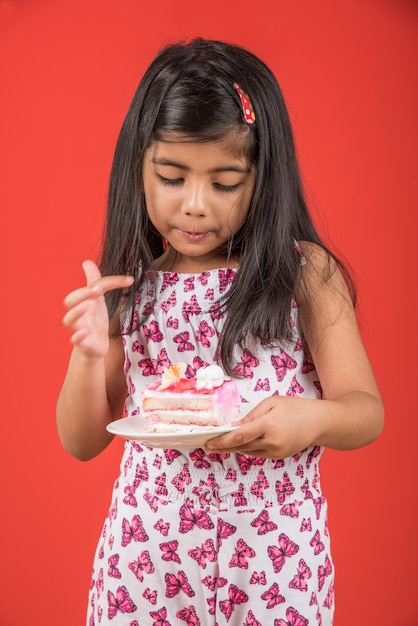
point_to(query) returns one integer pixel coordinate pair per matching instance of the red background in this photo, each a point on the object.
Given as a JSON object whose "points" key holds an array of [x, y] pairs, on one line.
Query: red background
{"points": [[68, 70]]}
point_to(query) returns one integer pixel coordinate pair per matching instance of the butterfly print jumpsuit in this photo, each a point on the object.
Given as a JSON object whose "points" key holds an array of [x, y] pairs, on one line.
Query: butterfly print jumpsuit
{"points": [[216, 539]]}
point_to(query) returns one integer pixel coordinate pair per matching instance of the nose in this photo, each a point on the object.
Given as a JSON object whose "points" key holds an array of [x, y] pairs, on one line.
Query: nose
{"points": [[195, 200]]}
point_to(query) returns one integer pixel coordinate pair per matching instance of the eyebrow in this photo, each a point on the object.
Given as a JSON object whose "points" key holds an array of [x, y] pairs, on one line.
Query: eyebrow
{"points": [[216, 170]]}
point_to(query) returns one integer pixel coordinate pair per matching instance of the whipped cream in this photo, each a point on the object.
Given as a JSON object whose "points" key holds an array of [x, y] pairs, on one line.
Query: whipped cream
{"points": [[209, 377]]}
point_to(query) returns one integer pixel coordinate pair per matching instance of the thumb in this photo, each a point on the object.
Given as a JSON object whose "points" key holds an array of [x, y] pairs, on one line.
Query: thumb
{"points": [[91, 271]]}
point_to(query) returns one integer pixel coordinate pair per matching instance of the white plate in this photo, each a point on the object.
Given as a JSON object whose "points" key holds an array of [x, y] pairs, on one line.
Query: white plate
{"points": [[135, 428]]}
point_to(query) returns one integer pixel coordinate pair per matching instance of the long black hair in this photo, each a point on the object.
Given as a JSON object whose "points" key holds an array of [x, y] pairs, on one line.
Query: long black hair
{"points": [[189, 88]]}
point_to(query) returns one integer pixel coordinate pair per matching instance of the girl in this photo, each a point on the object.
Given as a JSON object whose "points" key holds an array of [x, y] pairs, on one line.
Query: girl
{"points": [[210, 255]]}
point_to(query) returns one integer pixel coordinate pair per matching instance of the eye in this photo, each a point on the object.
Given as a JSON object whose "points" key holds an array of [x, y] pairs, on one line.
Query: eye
{"points": [[227, 188], [169, 182]]}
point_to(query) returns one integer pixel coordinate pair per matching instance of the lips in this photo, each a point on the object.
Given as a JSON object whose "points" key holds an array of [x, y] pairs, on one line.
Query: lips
{"points": [[192, 236]]}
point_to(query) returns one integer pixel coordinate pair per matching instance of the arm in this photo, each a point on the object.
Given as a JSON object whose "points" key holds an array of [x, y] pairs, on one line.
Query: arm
{"points": [[351, 416], [94, 388]]}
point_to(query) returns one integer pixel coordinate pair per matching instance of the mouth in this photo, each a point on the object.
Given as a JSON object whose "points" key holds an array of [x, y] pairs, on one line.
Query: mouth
{"points": [[193, 236]]}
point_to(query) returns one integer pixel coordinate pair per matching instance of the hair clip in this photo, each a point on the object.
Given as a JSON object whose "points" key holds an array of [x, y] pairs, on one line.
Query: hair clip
{"points": [[247, 107]]}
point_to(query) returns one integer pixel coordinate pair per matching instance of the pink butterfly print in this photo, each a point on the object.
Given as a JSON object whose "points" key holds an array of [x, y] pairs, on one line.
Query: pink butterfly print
{"points": [[258, 578], [151, 596], [213, 582], [291, 509], [158, 461], [190, 308], [172, 322], [257, 488], [313, 599], [169, 280], [299, 581], [141, 473], [295, 388], [313, 454], [189, 518], [159, 617], [306, 525], [205, 552], [306, 490], [293, 618], [210, 294], [273, 596], [263, 523], [121, 602], [132, 388], [169, 303], [147, 366], [133, 531], [181, 479], [224, 530], [138, 347], [250, 620], [169, 550], [211, 602], [151, 500], [171, 455], [282, 364], [242, 552], [142, 564], [284, 489], [182, 340], [189, 615], [175, 584], [153, 332], [300, 471], [231, 475], [298, 345], [247, 462], [307, 365], [239, 497], [316, 543], [199, 459], [113, 511], [113, 569], [323, 571], [329, 599], [189, 284], [225, 278], [204, 333], [262, 385], [277, 463], [129, 498], [235, 597], [318, 502], [128, 463], [127, 364], [162, 527], [162, 362], [160, 484], [203, 278], [248, 362], [216, 312], [100, 583], [278, 554]]}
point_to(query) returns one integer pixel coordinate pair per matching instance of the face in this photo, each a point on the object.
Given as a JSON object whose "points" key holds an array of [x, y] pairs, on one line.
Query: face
{"points": [[197, 196]]}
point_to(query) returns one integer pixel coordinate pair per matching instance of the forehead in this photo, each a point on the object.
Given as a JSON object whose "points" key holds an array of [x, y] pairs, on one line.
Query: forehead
{"points": [[233, 145]]}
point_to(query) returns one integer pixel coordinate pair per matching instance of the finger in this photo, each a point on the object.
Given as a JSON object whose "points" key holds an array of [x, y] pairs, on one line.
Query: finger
{"points": [[97, 288], [238, 438], [91, 271]]}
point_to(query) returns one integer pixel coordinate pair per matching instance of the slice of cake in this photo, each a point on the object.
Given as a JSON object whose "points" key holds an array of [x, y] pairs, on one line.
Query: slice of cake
{"points": [[209, 399]]}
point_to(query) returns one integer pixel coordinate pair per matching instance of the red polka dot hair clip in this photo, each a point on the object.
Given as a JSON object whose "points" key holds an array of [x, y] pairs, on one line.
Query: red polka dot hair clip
{"points": [[247, 107]]}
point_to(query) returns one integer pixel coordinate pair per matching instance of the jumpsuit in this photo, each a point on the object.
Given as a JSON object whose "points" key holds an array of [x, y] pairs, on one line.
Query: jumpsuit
{"points": [[217, 539]]}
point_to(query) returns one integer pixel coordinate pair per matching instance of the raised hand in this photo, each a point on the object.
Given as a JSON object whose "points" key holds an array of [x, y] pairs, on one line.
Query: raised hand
{"points": [[87, 315]]}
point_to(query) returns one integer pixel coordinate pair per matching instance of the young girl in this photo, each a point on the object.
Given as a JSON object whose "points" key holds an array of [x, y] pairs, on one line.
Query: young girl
{"points": [[210, 255]]}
